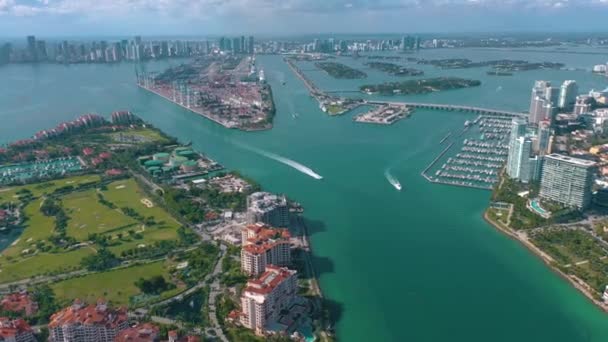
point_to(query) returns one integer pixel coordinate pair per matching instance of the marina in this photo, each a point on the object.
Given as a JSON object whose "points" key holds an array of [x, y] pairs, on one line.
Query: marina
{"points": [[480, 157]]}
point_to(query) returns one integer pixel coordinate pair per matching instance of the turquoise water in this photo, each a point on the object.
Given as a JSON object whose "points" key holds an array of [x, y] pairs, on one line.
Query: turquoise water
{"points": [[415, 265]]}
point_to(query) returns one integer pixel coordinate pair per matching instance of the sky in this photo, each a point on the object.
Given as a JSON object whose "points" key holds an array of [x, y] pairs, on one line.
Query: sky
{"points": [[285, 17]]}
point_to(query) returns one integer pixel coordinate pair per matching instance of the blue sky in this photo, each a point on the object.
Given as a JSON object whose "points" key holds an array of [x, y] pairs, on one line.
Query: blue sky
{"points": [[280, 17]]}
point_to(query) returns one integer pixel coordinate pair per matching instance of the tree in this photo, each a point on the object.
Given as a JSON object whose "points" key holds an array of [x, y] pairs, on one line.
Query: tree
{"points": [[103, 260]]}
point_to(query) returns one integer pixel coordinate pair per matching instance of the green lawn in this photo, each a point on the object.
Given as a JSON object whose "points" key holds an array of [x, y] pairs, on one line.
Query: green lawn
{"points": [[116, 286], [37, 228], [148, 134], [88, 216], [38, 189], [43, 263]]}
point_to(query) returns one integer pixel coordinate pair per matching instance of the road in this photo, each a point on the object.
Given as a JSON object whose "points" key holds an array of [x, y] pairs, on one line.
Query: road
{"points": [[215, 286]]}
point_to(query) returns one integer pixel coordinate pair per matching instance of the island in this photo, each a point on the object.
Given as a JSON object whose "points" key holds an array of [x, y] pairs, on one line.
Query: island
{"points": [[505, 65], [121, 216], [340, 71], [228, 90], [395, 69], [421, 86], [384, 114]]}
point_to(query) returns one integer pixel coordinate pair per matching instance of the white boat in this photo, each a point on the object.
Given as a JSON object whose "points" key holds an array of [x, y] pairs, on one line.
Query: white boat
{"points": [[394, 182]]}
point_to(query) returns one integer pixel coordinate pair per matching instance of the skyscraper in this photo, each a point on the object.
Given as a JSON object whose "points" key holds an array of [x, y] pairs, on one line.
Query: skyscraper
{"points": [[31, 49], [567, 180], [542, 102], [521, 164], [518, 129], [543, 138], [250, 45], [567, 94]]}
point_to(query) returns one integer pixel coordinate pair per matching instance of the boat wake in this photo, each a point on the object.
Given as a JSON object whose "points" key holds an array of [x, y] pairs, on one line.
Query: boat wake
{"points": [[292, 163], [391, 179]]}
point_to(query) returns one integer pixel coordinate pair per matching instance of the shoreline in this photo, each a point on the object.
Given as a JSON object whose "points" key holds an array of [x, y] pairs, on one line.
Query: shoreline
{"points": [[207, 116], [522, 238]]}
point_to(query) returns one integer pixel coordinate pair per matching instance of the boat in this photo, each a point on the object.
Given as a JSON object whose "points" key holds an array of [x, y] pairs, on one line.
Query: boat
{"points": [[394, 182]]}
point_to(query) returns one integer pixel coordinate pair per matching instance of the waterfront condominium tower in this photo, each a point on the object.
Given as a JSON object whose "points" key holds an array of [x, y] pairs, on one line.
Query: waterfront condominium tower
{"points": [[543, 101], [518, 129], [567, 94], [567, 180], [521, 164], [265, 297], [543, 138]]}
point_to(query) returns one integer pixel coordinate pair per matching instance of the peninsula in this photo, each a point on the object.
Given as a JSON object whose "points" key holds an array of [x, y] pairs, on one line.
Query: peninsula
{"points": [[228, 90], [119, 210]]}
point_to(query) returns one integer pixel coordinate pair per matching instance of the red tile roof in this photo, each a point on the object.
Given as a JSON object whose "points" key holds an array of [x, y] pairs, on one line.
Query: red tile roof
{"points": [[12, 328], [98, 314], [140, 333], [269, 280], [19, 302]]}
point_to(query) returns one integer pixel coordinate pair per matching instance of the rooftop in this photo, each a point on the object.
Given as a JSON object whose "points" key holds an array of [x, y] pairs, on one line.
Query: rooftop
{"points": [[9, 329], [269, 280], [571, 160], [99, 314]]}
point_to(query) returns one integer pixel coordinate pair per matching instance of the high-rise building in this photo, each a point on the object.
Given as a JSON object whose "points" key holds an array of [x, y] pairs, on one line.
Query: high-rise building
{"points": [[92, 323], [265, 297], [32, 54], [262, 246], [521, 163], [5, 53], [543, 138], [518, 129], [250, 46], [583, 104], [567, 180], [542, 102], [16, 330], [567, 94], [267, 208]]}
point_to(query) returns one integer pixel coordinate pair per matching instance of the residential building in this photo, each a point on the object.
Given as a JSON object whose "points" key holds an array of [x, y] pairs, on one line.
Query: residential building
{"points": [[145, 332], [567, 94], [582, 104], [268, 208], [87, 323], [16, 330], [543, 138], [262, 246], [543, 101], [265, 297], [20, 302], [567, 180]]}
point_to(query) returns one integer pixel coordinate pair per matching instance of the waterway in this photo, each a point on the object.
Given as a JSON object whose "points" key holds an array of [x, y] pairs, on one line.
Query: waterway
{"points": [[414, 265]]}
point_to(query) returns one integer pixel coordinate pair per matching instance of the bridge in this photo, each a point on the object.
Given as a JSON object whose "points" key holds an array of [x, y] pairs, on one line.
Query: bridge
{"points": [[456, 108]]}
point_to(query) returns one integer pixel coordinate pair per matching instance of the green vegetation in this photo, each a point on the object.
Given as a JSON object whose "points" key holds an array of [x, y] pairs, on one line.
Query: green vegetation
{"points": [[62, 214], [577, 253], [421, 86], [191, 310], [100, 261], [395, 69], [154, 285], [117, 286], [231, 269], [339, 70], [522, 217]]}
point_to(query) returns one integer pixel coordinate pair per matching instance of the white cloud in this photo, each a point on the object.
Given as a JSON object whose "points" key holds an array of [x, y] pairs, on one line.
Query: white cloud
{"points": [[207, 8]]}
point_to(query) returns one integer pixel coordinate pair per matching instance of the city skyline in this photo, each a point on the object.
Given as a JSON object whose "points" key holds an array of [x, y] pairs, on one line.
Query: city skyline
{"points": [[82, 18]]}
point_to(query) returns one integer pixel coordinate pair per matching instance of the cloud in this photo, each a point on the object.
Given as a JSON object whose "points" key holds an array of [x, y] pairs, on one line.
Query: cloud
{"points": [[213, 7]]}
